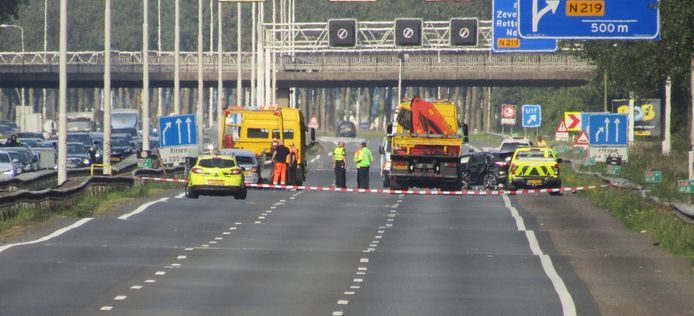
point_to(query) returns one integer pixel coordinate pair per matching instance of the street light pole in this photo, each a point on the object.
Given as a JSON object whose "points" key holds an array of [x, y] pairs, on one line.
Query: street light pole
{"points": [[220, 83], [106, 151], [211, 90], [159, 100], [62, 96], [201, 92], [239, 88], [177, 61], [145, 75], [45, 49], [253, 56]]}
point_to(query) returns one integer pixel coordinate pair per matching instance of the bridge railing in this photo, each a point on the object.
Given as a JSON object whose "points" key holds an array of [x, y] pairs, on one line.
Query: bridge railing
{"points": [[93, 62]]}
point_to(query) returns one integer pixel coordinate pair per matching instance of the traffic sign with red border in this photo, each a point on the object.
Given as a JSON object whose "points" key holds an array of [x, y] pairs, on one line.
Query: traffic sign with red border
{"points": [[573, 121]]}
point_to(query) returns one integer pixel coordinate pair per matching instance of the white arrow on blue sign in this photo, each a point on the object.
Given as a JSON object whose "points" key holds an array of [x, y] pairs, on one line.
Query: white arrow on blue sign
{"points": [[505, 31], [608, 129], [594, 19], [177, 130], [532, 115]]}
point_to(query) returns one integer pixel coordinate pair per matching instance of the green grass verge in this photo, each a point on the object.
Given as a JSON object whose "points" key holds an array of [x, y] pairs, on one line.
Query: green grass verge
{"points": [[639, 214], [85, 207]]}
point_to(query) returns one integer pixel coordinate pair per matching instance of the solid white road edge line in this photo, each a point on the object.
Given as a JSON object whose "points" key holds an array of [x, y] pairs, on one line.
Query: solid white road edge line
{"points": [[141, 208], [567, 302], [48, 237]]}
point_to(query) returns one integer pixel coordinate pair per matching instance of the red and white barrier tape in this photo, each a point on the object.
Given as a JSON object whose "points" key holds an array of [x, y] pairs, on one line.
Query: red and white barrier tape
{"points": [[388, 191]]}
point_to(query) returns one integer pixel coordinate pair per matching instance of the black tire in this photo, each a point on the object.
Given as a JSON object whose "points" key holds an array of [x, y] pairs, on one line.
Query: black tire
{"points": [[191, 194], [465, 181], [241, 195], [396, 185], [489, 181], [557, 186]]}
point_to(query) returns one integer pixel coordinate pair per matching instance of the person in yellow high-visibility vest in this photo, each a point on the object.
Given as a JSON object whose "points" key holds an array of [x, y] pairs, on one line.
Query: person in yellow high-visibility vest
{"points": [[363, 159], [339, 165]]}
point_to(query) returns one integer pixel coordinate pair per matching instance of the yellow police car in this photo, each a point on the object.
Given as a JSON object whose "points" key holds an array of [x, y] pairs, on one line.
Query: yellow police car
{"points": [[534, 167], [216, 174]]}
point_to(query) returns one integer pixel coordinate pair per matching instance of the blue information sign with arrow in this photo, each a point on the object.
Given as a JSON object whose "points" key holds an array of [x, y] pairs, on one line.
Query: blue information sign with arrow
{"points": [[532, 115], [608, 129], [177, 130], [505, 31], [589, 19]]}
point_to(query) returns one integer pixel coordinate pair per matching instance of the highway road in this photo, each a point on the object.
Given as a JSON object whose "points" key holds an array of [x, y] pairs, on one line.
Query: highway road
{"points": [[298, 253]]}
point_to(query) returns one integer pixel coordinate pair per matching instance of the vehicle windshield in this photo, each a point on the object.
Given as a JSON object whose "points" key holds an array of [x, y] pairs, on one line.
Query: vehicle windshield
{"points": [[79, 125], [4, 157], [129, 131], [80, 138], [512, 146], [30, 142], [534, 154], [120, 142], [246, 160], [216, 163], [76, 149], [14, 155]]}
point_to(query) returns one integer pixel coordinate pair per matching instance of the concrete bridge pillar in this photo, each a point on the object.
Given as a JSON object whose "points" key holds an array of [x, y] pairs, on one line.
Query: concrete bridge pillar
{"points": [[283, 97]]}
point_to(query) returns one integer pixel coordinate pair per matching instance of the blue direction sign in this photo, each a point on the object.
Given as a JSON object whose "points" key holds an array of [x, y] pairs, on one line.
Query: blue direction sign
{"points": [[589, 19], [505, 31], [608, 129], [532, 115], [177, 130]]}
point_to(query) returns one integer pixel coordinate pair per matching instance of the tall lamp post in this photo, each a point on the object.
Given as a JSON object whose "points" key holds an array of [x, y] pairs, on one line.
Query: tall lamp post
{"points": [[21, 98]]}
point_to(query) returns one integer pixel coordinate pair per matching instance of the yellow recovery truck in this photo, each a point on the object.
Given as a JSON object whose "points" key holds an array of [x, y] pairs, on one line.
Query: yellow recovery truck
{"points": [[426, 145], [257, 129]]}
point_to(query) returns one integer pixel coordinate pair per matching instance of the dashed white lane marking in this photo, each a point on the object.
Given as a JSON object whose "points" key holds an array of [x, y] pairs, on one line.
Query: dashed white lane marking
{"points": [[181, 257], [342, 302], [180, 196], [204, 245], [136, 287], [378, 236], [269, 212], [238, 223], [283, 201], [376, 241], [218, 238], [273, 207], [258, 222], [213, 242], [150, 281], [141, 208], [293, 198], [226, 233], [314, 159], [567, 302], [106, 308], [358, 280], [364, 260], [160, 273], [389, 225], [362, 268], [390, 220], [175, 264], [50, 236], [261, 217], [349, 292], [337, 313], [361, 273], [120, 298], [189, 249], [381, 231], [232, 228], [355, 287]]}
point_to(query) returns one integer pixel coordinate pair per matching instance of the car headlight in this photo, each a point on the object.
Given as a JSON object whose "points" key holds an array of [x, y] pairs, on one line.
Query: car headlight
{"points": [[86, 161], [97, 155], [8, 172]]}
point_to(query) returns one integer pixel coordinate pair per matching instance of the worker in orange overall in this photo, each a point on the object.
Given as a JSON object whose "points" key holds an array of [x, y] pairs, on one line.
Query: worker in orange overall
{"points": [[279, 157]]}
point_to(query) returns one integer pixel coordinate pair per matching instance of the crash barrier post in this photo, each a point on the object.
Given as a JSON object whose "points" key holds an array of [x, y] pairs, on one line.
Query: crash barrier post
{"points": [[105, 166]]}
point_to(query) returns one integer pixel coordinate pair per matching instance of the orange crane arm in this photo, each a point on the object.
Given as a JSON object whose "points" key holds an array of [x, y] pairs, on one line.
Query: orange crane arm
{"points": [[426, 119]]}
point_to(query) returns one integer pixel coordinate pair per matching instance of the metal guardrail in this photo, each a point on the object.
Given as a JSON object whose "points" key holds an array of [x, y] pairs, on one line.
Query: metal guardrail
{"points": [[62, 198], [131, 62]]}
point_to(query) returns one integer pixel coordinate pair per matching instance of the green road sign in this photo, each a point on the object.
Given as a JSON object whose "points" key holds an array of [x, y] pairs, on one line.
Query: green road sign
{"points": [[144, 163], [613, 170], [590, 162], [685, 186], [653, 176]]}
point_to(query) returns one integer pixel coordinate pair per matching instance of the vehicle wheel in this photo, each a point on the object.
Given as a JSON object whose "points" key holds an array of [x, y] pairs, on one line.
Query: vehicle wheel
{"points": [[489, 181], [396, 185], [465, 181], [556, 187], [191, 194], [241, 195], [386, 182]]}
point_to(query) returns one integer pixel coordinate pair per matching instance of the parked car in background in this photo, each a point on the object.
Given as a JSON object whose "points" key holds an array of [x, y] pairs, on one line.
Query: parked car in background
{"points": [[77, 155], [121, 147], [247, 160], [346, 129], [7, 167], [14, 157], [510, 144], [26, 157]]}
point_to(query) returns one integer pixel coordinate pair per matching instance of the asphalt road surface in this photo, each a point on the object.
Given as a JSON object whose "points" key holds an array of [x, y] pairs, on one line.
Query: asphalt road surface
{"points": [[298, 253]]}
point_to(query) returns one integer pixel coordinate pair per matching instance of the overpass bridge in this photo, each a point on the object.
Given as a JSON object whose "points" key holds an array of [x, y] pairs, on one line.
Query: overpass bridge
{"points": [[328, 69], [304, 58]]}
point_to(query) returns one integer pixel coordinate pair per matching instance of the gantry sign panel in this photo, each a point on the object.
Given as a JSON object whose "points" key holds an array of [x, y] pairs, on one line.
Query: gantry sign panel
{"points": [[464, 32], [342, 33], [408, 32]]}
